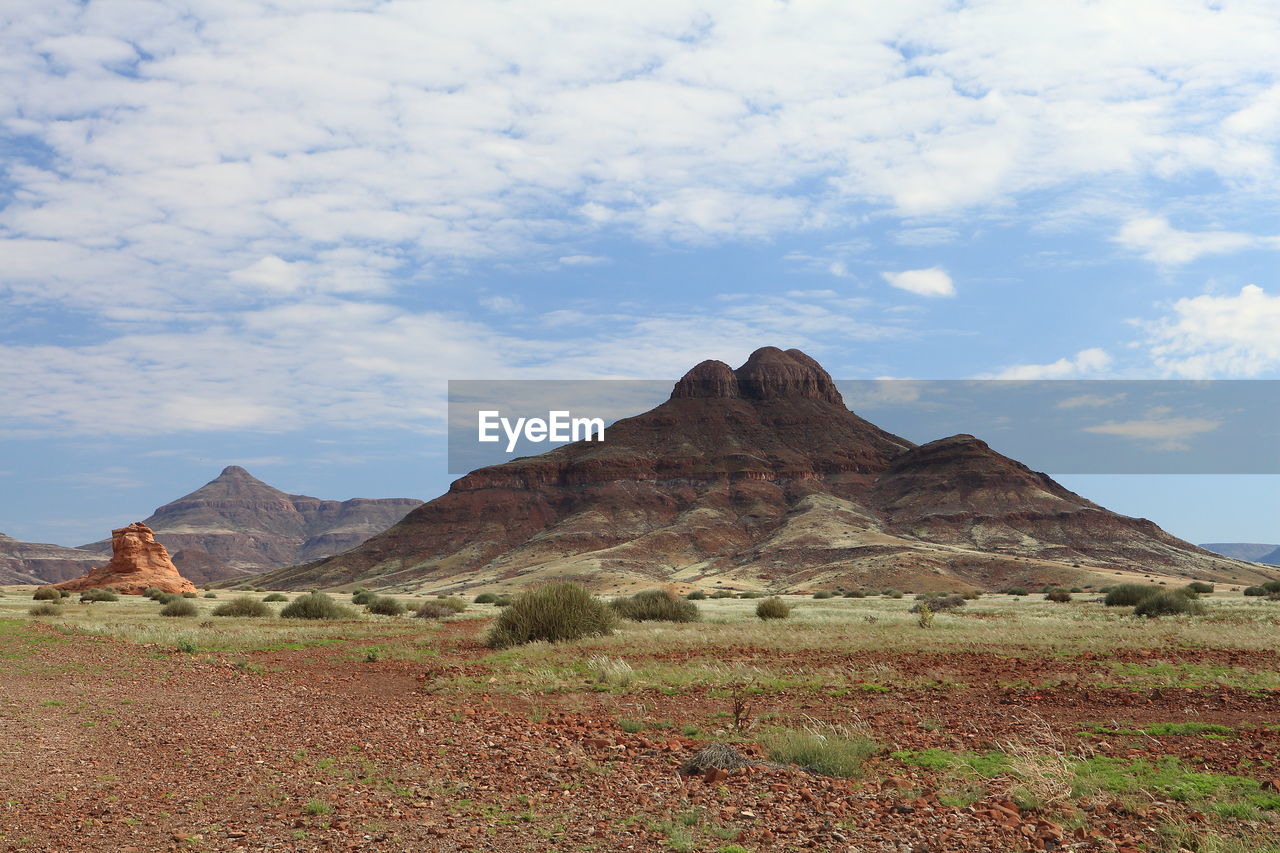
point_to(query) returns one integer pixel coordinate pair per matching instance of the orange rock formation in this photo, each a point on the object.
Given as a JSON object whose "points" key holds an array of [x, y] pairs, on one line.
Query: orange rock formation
{"points": [[138, 561]]}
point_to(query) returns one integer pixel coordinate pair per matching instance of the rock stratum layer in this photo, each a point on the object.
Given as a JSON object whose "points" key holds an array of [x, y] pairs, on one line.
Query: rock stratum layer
{"points": [[138, 562], [237, 525], [38, 563], [760, 477]]}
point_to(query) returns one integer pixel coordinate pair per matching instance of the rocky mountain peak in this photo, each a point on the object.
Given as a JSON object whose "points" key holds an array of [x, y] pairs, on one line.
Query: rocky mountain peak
{"points": [[768, 374], [235, 472]]}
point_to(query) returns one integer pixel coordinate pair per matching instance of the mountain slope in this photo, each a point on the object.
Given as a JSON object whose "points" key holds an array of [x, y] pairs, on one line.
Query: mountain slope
{"points": [[38, 563], [236, 524], [1252, 551], [759, 477]]}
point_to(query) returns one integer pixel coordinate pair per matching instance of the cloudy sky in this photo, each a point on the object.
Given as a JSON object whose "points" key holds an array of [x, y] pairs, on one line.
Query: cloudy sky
{"points": [[267, 233]]}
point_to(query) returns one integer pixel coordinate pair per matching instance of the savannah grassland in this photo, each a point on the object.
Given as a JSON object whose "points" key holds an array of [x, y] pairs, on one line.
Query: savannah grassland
{"points": [[1012, 724]]}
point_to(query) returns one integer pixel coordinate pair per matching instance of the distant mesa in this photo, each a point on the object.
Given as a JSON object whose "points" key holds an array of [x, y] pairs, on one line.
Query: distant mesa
{"points": [[138, 562], [41, 563], [1256, 552], [760, 477]]}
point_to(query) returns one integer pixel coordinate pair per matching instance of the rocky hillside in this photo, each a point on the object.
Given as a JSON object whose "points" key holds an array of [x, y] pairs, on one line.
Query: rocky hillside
{"points": [[760, 477], [35, 562], [237, 525]]}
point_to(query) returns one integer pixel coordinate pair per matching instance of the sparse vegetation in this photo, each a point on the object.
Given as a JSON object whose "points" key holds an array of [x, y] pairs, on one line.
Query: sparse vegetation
{"points": [[46, 609], [244, 606], [385, 605], [1130, 594], [433, 610], [827, 753], [315, 605], [1169, 604], [556, 612], [656, 605], [773, 608], [939, 603], [179, 607], [610, 670], [457, 605]]}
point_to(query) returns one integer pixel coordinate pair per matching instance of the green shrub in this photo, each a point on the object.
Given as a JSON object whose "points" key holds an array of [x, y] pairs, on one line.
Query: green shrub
{"points": [[485, 598], [1130, 594], [1169, 604], [1014, 590], [47, 593], [153, 592], [1271, 587], [555, 613], [210, 595], [822, 593], [45, 610], [722, 593], [655, 605], [1058, 595], [891, 593], [275, 596], [828, 755], [773, 608], [243, 606], [363, 596], [98, 594], [385, 605], [751, 594], [503, 601], [971, 594], [1075, 589], [316, 605], [1255, 591], [697, 595], [457, 605], [188, 595], [1200, 587], [939, 603], [179, 607], [856, 593], [433, 610]]}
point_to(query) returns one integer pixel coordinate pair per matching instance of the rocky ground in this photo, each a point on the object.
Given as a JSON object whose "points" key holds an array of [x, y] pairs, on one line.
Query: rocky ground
{"points": [[113, 745]]}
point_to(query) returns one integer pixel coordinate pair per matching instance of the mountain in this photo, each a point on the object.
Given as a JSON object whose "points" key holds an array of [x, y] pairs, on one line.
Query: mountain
{"points": [[237, 525], [34, 562], [760, 477], [1252, 551]]}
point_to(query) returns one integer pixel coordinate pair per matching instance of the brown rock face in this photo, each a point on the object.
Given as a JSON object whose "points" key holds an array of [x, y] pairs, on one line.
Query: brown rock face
{"points": [[138, 561], [759, 477], [38, 563]]}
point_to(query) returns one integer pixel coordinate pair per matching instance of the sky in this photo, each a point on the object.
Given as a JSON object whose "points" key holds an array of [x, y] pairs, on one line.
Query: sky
{"points": [[269, 233]]}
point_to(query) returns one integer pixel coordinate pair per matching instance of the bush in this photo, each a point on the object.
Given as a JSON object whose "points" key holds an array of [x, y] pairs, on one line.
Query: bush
{"points": [[1255, 590], [1129, 594], [98, 594], [1014, 590], [315, 605], [47, 593], [503, 601], [166, 597], [188, 595], [891, 593], [823, 594], [971, 595], [655, 605], [697, 595], [555, 613], [363, 596], [939, 603], [384, 605], [1168, 604], [457, 605], [722, 593], [153, 592], [855, 593], [45, 610], [276, 596], [433, 610], [828, 755], [773, 608], [751, 594], [1200, 587], [485, 598], [210, 595], [179, 607], [244, 606], [1058, 595]]}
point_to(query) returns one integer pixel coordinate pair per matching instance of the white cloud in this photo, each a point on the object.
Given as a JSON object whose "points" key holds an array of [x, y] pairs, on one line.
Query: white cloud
{"points": [[501, 304], [1161, 432], [1084, 362], [933, 281], [1214, 336], [582, 260], [1161, 243], [1091, 401]]}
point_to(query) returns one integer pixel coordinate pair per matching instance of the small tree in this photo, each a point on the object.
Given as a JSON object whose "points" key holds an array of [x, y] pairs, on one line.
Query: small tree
{"points": [[773, 608]]}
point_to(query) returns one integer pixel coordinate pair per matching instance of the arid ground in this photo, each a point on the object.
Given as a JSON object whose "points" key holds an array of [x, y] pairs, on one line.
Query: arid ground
{"points": [[1013, 724]]}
